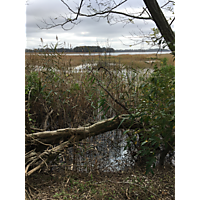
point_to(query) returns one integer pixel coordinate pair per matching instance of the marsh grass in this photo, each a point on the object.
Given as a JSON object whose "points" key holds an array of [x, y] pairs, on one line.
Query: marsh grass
{"points": [[59, 97], [70, 93], [51, 88], [136, 61]]}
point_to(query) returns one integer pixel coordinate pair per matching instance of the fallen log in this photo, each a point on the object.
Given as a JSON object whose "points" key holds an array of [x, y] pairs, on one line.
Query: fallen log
{"points": [[40, 146], [54, 137]]}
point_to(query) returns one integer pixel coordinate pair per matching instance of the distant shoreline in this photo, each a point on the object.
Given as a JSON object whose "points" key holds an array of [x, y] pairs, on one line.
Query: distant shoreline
{"points": [[71, 51], [103, 53], [141, 50]]}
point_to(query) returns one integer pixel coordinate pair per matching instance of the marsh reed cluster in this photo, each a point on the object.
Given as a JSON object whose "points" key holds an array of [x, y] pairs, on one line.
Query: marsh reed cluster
{"points": [[58, 94], [71, 96]]}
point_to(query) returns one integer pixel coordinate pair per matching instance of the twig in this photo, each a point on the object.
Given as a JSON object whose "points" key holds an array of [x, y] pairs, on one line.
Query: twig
{"points": [[108, 72], [35, 169], [28, 194], [127, 194], [47, 153], [115, 100], [46, 119], [136, 185], [30, 136], [36, 129]]}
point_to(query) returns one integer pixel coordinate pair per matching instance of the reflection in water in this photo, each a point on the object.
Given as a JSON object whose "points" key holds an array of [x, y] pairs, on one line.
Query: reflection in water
{"points": [[104, 152]]}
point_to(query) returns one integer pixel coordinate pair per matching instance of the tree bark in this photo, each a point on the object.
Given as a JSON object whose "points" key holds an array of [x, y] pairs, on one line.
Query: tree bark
{"points": [[161, 23], [54, 137]]}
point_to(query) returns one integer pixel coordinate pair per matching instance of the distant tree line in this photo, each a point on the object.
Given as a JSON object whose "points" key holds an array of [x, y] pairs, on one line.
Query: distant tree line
{"points": [[76, 49], [90, 49]]}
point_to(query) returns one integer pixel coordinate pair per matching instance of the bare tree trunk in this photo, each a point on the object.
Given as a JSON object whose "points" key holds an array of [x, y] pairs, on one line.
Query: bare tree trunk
{"points": [[161, 23], [54, 137]]}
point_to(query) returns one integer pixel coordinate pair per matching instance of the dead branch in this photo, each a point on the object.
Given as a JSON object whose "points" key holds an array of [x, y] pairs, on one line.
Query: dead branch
{"points": [[45, 157], [104, 13], [111, 96], [54, 137], [27, 122], [46, 119], [92, 12], [68, 137]]}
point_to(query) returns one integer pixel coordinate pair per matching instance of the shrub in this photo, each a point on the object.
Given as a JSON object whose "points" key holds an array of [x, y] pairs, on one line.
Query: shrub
{"points": [[156, 110]]}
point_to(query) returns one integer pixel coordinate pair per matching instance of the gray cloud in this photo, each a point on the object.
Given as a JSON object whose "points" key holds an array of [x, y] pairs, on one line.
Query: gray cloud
{"points": [[88, 32]]}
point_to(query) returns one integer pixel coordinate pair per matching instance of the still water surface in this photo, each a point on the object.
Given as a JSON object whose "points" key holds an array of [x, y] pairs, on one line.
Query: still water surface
{"points": [[118, 53], [112, 53]]}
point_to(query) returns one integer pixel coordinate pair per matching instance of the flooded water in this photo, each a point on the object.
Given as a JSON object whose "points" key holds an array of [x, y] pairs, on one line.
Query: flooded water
{"points": [[104, 152]]}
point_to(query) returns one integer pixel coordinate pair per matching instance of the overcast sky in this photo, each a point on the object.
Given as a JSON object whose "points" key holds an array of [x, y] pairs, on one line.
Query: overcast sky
{"points": [[88, 31]]}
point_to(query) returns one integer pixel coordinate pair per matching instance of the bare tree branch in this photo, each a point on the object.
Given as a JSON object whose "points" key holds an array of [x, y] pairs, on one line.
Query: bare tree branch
{"points": [[111, 96], [172, 21], [108, 10], [67, 20], [118, 13], [100, 14], [167, 3], [111, 10], [54, 137]]}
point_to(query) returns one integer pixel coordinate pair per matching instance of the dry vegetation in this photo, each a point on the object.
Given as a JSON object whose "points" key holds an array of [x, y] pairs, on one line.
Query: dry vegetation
{"points": [[69, 91], [137, 61], [57, 97], [133, 185]]}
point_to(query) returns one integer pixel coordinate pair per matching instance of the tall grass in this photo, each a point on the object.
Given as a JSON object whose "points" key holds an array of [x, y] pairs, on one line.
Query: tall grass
{"points": [[53, 86], [57, 96]]}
